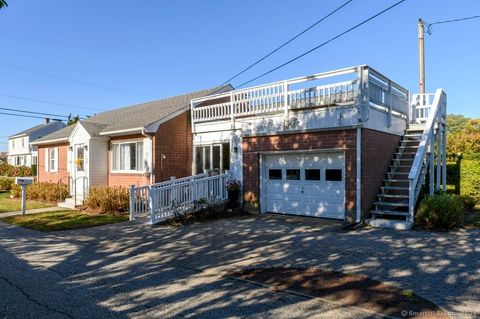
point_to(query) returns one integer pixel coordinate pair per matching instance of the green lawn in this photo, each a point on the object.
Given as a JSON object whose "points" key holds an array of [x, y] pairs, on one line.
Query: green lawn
{"points": [[63, 220], [8, 204]]}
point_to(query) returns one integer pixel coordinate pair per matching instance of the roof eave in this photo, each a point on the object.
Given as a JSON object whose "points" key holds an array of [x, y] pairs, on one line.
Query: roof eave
{"points": [[122, 132], [63, 139]]}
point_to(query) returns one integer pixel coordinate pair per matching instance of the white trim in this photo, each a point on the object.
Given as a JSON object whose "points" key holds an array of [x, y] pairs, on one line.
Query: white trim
{"points": [[75, 129], [129, 130], [63, 139]]}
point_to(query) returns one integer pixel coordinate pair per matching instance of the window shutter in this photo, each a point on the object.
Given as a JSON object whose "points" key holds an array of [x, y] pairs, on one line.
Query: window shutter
{"points": [[46, 159], [56, 160]]}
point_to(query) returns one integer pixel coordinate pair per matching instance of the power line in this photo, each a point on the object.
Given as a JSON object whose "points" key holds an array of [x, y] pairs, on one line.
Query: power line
{"points": [[29, 116], [48, 102], [429, 25], [324, 43], [72, 80], [285, 43], [32, 112]]}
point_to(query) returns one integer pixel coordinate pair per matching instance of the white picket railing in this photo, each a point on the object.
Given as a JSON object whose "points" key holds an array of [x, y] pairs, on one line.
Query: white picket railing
{"points": [[282, 96], [434, 134], [420, 108], [178, 196]]}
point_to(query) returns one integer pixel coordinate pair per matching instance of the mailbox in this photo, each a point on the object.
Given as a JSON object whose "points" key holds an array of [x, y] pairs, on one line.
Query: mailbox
{"points": [[23, 181]]}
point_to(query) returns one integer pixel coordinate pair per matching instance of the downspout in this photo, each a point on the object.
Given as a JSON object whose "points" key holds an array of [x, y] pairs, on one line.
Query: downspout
{"points": [[151, 153], [359, 175]]}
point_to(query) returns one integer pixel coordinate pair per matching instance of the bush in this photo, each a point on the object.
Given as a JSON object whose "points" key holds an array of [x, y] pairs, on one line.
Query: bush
{"points": [[50, 192], [440, 212], [6, 183], [468, 202], [110, 200], [14, 171]]}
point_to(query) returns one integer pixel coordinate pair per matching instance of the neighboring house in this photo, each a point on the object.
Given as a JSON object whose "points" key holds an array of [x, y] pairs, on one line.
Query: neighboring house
{"points": [[134, 145], [330, 145], [20, 150]]}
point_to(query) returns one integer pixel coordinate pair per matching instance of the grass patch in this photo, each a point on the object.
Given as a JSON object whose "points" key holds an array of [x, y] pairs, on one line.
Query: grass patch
{"points": [[63, 220], [472, 218], [8, 204]]}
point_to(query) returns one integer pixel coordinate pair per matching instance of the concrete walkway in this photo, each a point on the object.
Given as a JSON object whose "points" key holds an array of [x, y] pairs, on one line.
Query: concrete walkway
{"points": [[32, 211], [136, 270]]}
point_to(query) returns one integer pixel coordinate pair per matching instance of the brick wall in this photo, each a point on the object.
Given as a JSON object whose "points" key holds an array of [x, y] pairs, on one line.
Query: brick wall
{"points": [[53, 177], [377, 153], [252, 147], [174, 140], [126, 179]]}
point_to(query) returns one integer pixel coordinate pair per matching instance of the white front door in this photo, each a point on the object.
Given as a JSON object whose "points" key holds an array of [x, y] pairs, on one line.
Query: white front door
{"points": [[80, 181], [309, 184]]}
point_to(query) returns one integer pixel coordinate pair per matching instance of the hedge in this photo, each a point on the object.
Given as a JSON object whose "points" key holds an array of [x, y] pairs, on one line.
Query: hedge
{"points": [[14, 171], [49, 192], [463, 178]]}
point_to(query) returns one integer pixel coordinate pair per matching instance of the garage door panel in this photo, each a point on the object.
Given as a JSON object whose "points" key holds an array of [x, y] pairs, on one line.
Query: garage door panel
{"points": [[302, 187]]}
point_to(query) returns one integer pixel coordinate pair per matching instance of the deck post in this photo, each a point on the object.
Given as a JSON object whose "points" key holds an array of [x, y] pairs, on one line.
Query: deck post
{"points": [[151, 204], [132, 202], [432, 166]]}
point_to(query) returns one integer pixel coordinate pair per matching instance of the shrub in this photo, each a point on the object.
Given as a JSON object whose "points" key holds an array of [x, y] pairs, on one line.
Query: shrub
{"points": [[468, 202], [49, 192], [6, 183], [110, 200], [440, 212], [14, 171]]}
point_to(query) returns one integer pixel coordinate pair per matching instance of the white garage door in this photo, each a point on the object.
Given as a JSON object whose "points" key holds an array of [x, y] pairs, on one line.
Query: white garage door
{"points": [[305, 184]]}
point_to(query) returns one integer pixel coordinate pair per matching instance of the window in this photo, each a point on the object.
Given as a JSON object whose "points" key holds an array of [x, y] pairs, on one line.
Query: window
{"points": [[17, 161], [275, 174], [312, 174], [127, 156], [333, 175], [52, 159], [80, 158], [214, 156], [34, 160], [293, 174]]}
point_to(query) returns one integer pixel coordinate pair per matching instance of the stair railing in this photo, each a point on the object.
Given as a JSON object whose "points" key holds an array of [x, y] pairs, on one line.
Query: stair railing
{"points": [[435, 126]]}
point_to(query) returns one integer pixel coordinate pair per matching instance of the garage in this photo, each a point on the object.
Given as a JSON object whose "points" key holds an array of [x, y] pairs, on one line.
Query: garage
{"points": [[307, 184]]}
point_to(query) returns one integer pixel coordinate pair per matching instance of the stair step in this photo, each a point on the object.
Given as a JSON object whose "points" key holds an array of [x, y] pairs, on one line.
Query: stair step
{"points": [[395, 204], [392, 196], [404, 147], [405, 153], [413, 135], [403, 159], [389, 212], [398, 173], [398, 188], [400, 166], [395, 180], [386, 223]]}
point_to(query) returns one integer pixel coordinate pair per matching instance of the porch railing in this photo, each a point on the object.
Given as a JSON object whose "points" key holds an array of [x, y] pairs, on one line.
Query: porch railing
{"points": [[433, 138], [176, 197], [282, 96]]}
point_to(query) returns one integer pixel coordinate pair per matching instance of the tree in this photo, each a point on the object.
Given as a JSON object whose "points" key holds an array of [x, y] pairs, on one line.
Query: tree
{"points": [[73, 120], [3, 4]]}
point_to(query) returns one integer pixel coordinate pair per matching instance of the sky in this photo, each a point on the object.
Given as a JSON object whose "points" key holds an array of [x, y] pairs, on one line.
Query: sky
{"points": [[152, 49]]}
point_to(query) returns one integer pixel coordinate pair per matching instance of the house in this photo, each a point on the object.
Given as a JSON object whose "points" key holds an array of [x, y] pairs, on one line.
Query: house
{"points": [[346, 144], [134, 145], [20, 150]]}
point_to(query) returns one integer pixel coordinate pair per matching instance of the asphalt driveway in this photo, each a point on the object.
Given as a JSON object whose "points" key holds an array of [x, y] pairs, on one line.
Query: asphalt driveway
{"points": [[132, 270]]}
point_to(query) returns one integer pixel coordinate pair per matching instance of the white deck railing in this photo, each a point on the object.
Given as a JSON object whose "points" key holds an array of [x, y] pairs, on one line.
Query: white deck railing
{"points": [[282, 96], [434, 110], [178, 196], [420, 108]]}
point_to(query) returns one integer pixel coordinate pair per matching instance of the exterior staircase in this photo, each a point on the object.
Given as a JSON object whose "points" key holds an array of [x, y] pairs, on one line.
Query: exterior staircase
{"points": [[392, 206]]}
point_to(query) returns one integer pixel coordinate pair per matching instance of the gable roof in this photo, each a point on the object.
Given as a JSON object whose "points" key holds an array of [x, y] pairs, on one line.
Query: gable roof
{"points": [[57, 136], [141, 115], [134, 117], [34, 129]]}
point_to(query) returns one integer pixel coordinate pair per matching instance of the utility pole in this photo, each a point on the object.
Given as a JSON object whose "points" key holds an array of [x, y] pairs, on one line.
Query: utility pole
{"points": [[421, 54]]}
